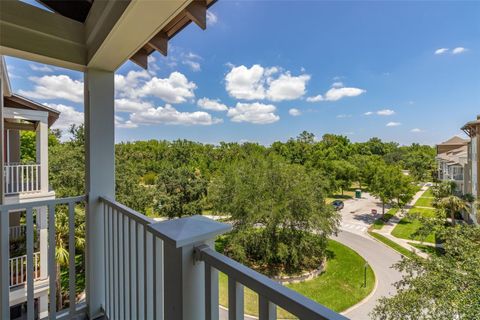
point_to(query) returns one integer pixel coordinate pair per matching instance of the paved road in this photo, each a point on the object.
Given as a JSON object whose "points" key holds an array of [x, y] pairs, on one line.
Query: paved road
{"points": [[357, 214], [380, 258]]}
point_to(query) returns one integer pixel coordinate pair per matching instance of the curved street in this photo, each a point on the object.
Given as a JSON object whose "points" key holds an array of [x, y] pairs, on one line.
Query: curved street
{"points": [[381, 258]]}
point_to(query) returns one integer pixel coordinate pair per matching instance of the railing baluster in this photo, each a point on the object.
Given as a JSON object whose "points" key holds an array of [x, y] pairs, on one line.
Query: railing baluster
{"points": [[22, 179], [71, 253], [235, 300], [4, 257], [30, 298], [159, 272], [145, 274], [110, 262], [154, 276], [266, 309], [37, 182], [130, 274], [122, 266], [211, 293], [137, 268], [116, 304], [52, 266]]}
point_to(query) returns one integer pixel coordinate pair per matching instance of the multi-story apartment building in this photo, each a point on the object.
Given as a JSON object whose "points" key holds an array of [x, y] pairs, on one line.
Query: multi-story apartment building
{"points": [[452, 158], [458, 161], [472, 129], [25, 181]]}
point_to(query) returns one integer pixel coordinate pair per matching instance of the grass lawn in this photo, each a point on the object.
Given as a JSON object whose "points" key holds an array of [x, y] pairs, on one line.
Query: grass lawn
{"points": [[392, 244], [380, 222], [338, 288], [427, 249], [424, 212], [428, 193], [406, 228], [424, 202]]}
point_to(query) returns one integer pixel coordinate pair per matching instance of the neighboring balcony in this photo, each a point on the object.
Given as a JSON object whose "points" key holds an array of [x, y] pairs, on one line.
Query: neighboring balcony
{"points": [[18, 270], [22, 178]]}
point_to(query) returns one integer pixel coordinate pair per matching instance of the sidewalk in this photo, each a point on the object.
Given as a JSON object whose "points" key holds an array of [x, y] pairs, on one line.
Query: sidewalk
{"points": [[387, 229]]}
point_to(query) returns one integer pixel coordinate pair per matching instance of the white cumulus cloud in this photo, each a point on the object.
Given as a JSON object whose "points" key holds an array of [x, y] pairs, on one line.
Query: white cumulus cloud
{"points": [[212, 18], [40, 67], [121, 123], [169, 115], [441, 51], [128, 105], [287, 87], [385, 112], [258, 82], [174, 89], [416, 130], [336, 92], [294, 112], [256, 112], [68, 116], [459, 50], [368, 113], [55, 87], [211, 104], [316, 98], [393, 124], [246, 83]]}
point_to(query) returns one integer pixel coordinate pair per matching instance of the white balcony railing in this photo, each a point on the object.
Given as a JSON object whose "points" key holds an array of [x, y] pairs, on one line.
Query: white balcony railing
{"points": [[25, 270], [169, 270], [17, 232], [22, 178], [152, 270], [18, 269]]}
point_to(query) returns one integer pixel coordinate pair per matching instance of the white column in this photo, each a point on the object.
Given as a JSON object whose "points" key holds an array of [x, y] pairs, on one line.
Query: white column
{"points": [[4, 224], [42, 153], [43, 237], [184, 278], [100, 176]]}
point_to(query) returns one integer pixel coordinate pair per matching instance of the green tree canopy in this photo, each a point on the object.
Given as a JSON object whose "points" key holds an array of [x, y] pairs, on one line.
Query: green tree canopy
{"points": [[281, 222], [180, 191], [445, 286]]}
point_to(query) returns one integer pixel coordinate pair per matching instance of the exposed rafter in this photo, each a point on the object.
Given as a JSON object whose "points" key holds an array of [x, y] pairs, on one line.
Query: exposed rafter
{"points": [[160, 42], [140, 58], [195, 12]]}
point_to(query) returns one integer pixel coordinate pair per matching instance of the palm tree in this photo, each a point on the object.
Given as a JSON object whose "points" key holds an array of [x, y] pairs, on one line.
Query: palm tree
{"points": [[61, 243], [452, 204]]}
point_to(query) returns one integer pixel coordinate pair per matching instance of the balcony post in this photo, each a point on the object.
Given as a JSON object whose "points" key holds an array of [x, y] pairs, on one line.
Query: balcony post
{"points": [[42, 153], [184, 277], [100, 177]]}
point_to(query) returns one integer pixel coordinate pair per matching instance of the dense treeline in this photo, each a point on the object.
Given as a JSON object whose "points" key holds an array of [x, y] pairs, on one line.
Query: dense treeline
{"points": [[275, 196], [150, 170]]}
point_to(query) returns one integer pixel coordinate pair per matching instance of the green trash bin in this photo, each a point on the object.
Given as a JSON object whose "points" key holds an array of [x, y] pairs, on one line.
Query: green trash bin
{"points": [[358, 193]]}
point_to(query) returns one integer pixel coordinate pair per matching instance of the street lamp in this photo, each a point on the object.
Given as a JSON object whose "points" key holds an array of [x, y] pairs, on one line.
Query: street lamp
{"points": [[365, 275]]}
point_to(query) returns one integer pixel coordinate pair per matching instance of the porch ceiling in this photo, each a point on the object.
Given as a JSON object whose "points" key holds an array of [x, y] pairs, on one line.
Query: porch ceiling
{"points": [[95, 34]]}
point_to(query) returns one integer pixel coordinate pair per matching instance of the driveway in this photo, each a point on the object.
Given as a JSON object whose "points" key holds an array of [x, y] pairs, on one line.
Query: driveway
{"points": [[357, 214]]}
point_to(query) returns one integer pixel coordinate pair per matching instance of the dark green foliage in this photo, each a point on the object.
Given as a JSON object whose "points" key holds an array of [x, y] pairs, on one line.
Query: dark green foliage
{"points": [[179, 192], [445, 286], [274, 207]]}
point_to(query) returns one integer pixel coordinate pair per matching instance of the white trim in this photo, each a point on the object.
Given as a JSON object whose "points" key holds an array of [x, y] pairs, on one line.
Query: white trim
{"points": [[25, 114]]}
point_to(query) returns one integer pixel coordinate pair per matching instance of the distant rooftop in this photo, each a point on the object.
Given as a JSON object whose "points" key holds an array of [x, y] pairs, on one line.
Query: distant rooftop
{"points": [[454, 141]]}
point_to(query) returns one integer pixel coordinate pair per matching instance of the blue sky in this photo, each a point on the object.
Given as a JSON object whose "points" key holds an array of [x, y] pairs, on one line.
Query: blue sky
{"points": [[267, 70]]}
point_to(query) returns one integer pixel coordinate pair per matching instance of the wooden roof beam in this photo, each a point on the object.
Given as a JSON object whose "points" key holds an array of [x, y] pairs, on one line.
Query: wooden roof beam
{"points": [[197, 12], [141, 58], [160, 43]]}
